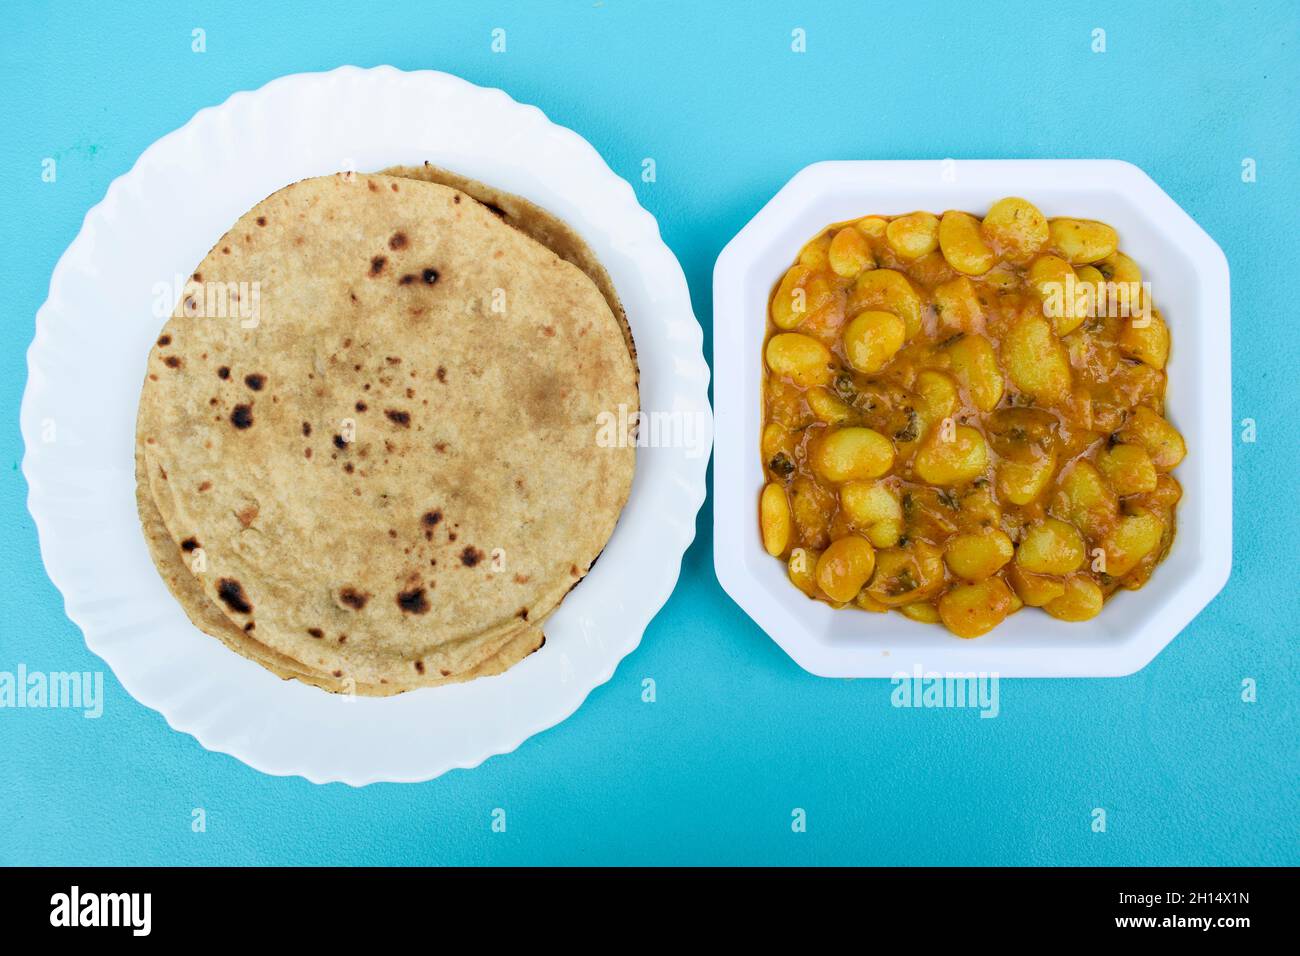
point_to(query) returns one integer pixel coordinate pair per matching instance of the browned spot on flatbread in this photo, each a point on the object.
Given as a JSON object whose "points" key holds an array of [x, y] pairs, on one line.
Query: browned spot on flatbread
{"points": [[353, 598], [232, 595], [414, 601]]}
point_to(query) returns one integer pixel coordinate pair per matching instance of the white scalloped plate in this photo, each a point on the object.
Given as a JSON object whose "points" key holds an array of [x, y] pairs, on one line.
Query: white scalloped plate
{"points": [[88, 359]]}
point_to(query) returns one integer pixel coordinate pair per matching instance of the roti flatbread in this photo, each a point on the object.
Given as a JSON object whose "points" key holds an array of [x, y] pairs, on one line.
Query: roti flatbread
{"points": [[390, 465]]}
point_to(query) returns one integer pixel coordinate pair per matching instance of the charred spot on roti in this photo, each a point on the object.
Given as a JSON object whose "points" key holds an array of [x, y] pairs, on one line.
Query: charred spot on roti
{"points": [[205, 486], [249, 626], [164, 340], [431, 518], [247, 514], [353, 598], [522, 614], [261, 220], [241, 416], [430, 276], [419, 667], [232, 595], [306, 429], [189, 544], [255, 381], [340, 442], [414, 601], [397, 241], [377, 264], [441, 373], [361, 406], [173, 361], [316, 632], [406, 279], [398, 417], [223, 372], [470, 556]]}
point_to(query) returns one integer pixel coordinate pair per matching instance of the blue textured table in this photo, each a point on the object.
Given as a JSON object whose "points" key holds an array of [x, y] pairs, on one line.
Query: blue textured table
{"points": [[1186, 770]]}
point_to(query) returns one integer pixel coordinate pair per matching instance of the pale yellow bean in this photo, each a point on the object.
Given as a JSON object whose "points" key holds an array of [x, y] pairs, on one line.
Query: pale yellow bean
{"points": [[976, 556], [802, 359], [914, 235], [976, 367], [1128, 468], [849, 253], [844, 568], [872, 338], [1051, 547], [849, 454], [1161, 440], [969, 610], [1082, 241], [1080, 600], [1016, 228], [775, 520], [1037, 362], [963, 245], [951, 458]]}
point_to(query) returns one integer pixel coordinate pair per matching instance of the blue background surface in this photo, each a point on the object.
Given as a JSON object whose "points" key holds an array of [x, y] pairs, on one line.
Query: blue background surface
{"points": [[1187, 771]]}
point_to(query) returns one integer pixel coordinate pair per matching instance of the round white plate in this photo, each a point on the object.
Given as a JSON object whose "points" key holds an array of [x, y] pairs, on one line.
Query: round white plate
{"points": [[87, 362]]}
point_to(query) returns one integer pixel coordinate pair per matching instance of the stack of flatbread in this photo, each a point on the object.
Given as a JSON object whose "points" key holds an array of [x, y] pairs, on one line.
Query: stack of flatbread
{"points": [[372, 450]]}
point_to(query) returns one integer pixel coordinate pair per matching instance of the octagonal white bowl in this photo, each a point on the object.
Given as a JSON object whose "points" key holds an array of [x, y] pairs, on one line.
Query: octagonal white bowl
{"points": [[1189, 281]]}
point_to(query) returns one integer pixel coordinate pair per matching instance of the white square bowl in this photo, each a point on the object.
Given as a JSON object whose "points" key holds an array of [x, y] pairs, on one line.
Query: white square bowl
{"points": [[1189, 281]]}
